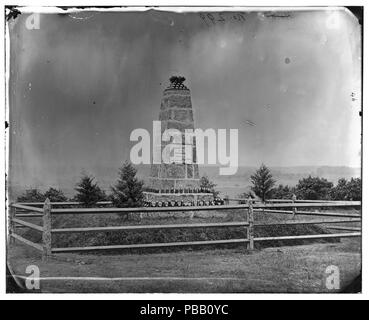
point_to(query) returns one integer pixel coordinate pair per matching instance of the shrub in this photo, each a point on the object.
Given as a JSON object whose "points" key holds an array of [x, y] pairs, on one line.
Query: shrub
{"points": [[354, 189], [206, 184], [313, 188], [244, 196], [32, 195], [282, 192], [88, 192], [347, 190], [247, 195], [55, 195]]}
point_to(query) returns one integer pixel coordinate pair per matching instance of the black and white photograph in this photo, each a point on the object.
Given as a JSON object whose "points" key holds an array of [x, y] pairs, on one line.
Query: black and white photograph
{"points": [[183, 150]]}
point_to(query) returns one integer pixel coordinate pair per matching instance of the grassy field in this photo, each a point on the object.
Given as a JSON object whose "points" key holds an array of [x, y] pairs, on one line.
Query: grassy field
{"points": [[283, 269], [287, 267], [173, 235]]}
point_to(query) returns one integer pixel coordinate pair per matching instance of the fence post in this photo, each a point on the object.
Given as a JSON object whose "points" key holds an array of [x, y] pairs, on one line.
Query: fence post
{"points": [[294, 198], [226, 200], [11, 226], [251, 224], [46, 234]]}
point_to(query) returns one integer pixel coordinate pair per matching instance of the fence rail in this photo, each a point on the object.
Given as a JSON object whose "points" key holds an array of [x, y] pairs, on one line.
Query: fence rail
{"points": [[27, 242], [243, 200], [27, 207], [311, 237], [305, 222], [311, 213], [199, 208], [153, 227], [63, 203], [152, 245], [28, 224], [30, 210]]}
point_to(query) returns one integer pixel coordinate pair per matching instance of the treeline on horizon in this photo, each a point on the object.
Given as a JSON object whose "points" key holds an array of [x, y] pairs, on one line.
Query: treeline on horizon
{"points": [[309, 188], [128, 189]]}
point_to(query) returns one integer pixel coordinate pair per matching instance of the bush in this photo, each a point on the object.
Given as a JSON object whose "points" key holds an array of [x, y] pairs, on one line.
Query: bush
{"points": [[247, 195], [128, 190], [347, 190], [55, 195], [313, 188], [282, 192], [88, 192], [244, 196], [208, 185], [32, 195]]}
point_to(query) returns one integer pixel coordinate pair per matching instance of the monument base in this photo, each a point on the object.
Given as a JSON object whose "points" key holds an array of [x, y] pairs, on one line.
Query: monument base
{"points": [[153, 199]]}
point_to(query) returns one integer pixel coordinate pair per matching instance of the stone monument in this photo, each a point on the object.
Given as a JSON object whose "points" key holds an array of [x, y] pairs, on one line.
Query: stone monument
{"points": [[177, 183]]}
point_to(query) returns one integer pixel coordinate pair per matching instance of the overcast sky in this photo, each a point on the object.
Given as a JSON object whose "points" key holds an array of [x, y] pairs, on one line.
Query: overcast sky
{"points": [[81, 83]]}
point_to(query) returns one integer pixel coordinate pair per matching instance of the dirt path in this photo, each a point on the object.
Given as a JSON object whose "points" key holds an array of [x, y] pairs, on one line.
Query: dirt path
{"points": [[284, 269]]}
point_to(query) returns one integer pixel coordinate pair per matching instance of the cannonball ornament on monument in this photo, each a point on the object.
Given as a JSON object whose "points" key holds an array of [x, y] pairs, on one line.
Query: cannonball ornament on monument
{"points": [[176, 82]]}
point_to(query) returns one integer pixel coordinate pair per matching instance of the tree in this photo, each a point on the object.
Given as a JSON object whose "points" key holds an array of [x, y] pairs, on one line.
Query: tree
{"points": [[208, 185], [262, 182], [354, 189], [339, 192], [347, 190], [32, 195], [88, 192], [128, 191], [313, 188], [55, 195]]}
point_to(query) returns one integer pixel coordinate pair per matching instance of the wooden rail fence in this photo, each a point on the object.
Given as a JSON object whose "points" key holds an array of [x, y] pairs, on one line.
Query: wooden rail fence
{"points": [[33, 210]]}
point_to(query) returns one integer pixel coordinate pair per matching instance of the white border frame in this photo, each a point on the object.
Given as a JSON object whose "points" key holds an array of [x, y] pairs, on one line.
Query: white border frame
{"points": [[240, 5]]}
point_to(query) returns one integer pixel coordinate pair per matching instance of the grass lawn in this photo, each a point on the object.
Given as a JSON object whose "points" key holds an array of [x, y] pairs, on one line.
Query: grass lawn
{"points": [[173, 235], [283, 269], [295, 268]]}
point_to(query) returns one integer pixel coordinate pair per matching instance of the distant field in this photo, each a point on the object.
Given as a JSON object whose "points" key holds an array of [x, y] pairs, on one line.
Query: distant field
{"points": [[228, 185]]}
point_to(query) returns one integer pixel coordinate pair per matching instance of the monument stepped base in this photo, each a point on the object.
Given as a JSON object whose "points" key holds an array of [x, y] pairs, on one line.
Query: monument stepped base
{"points": [[179, 215], [178, 199], [153, 199]]}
